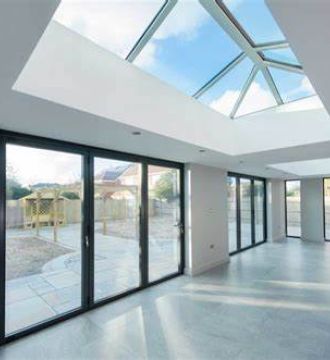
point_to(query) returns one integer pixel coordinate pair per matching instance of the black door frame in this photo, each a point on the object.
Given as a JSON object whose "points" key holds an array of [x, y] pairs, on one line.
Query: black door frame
{"points": [[286, 210], [88, 153], [254, 243]]}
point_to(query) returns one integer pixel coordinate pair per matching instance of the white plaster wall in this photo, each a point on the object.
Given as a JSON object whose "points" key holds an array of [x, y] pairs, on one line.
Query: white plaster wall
{"points": [[206, 218], [275, 209], [312, 210]]}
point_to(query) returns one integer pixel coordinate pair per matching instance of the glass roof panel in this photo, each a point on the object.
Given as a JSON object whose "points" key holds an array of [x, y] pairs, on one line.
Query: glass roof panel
{"points": [[258, 97], [256, 19], [188, 49], [284, 55], [223, 95], [116, 25], [291, 86]]}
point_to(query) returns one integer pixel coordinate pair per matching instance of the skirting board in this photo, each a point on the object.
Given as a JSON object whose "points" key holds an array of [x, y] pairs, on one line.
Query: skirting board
{"points": [[203, 268]]}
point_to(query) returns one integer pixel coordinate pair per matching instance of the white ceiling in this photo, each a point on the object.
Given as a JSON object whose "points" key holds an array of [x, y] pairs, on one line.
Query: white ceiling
{"points": [[316, 167], [176, 133]]}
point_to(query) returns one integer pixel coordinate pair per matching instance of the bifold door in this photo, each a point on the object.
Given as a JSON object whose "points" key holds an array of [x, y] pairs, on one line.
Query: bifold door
{"points": [[81, 226], [246, 196]]}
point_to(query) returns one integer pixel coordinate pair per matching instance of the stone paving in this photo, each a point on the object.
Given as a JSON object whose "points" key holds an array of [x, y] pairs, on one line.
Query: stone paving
{"points": [[57, 289]]}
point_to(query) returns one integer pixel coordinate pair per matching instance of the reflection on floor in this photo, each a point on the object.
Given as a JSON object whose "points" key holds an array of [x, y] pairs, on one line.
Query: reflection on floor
{"points": [[271, 302]]}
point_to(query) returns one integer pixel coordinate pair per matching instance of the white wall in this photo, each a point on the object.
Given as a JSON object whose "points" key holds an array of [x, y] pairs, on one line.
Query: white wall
{"points": [[206, 218], [275, 209], [311, 195]]}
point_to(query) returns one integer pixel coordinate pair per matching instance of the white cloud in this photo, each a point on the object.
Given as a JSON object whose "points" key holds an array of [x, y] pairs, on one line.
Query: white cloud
{"points": [[257, 98], [117, 24]]}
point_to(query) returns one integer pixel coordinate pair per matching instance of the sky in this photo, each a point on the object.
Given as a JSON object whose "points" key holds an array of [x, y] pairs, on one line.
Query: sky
{"points": [[189, 48], [31, 166]]}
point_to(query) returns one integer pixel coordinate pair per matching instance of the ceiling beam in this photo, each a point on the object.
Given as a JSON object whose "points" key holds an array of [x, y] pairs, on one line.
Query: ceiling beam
{"points": [[151, 29]]}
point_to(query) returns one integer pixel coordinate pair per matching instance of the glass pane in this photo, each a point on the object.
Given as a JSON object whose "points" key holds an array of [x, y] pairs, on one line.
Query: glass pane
{"points": [[116, 25], [293, 212], [257, 98], [259, 198], [117, 189], [232, 214], [292, 86], [327, 208], [43, 235], [223, 95], [246, 219], [284, 55], [164, 221], [256, 19], [188, 49]]}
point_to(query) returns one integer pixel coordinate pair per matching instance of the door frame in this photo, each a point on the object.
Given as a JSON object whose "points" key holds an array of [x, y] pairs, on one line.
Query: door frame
{"points": [[88, 153], [252, 178]]}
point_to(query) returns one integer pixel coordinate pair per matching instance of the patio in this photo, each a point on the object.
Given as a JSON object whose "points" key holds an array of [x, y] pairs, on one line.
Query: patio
{"points": [[56, 289]]}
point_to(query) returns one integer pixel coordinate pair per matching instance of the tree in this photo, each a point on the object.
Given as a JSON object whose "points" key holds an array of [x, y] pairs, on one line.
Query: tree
{"points": [[70, 195], [14, 190], [164, 189]]}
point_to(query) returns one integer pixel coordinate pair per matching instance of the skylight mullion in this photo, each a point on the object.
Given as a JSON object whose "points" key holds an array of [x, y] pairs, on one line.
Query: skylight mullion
{"points": [[272, 46], [284, 66], [244, 90], [224, 21], [219, 75], [151, 29], [271, 84]]}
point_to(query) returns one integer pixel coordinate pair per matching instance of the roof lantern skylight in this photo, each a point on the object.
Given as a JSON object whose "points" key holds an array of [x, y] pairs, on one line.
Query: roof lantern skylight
{"points": [[229, 54]]}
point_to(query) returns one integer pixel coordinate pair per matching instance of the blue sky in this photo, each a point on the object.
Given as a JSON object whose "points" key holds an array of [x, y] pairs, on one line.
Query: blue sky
{"points": [[189, 48]]}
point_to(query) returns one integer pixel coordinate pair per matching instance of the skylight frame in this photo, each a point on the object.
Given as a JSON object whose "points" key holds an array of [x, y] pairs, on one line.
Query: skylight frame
{"points": [[155, 23], [226, 20]]}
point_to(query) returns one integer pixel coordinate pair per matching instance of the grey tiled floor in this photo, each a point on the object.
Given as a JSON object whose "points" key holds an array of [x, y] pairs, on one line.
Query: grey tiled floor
{"points": [[271, 302]]}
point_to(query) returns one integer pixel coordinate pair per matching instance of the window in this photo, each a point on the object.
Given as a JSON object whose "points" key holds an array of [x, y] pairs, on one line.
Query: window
{"points": [[293, 211], [198, 48], [246, 206], [256, 19], [224, 94], [179, 53], [257, 90], [43, 235], [114, 25], [292, 86], [284, 55]]}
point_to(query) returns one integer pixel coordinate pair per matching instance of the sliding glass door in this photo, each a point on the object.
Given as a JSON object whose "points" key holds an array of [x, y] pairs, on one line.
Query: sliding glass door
{"points": [[165, 223], [246, 204], [117, 201], [293, 211], [44, 196]]}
